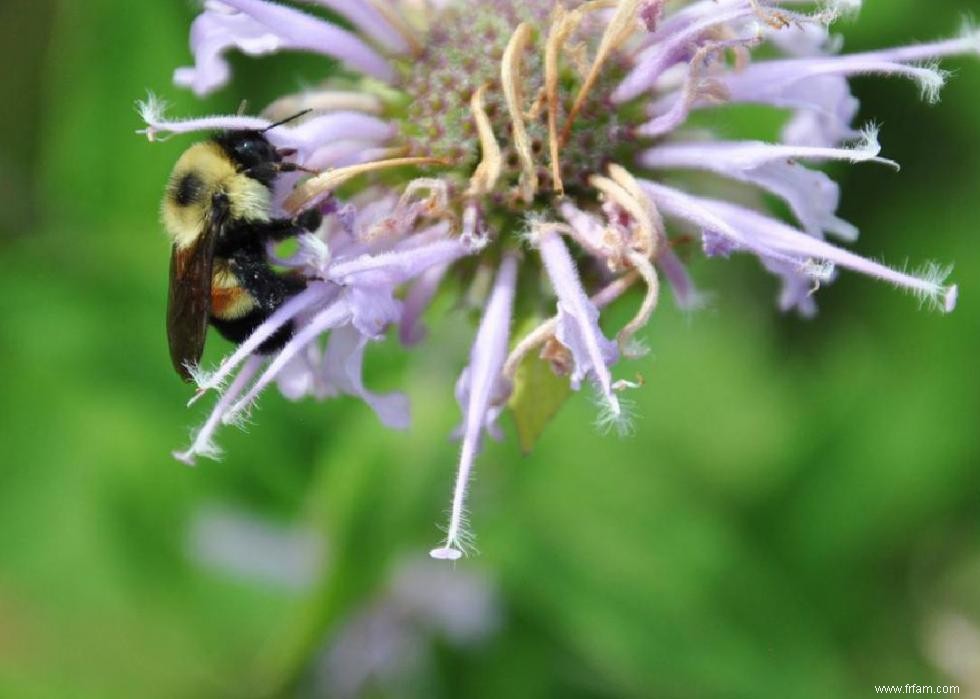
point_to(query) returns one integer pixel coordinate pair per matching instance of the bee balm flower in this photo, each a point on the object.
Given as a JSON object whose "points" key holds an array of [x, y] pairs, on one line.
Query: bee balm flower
{"points": [[528, 139]]}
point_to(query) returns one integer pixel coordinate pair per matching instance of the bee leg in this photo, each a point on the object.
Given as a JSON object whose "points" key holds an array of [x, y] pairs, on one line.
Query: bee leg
{"points": [[268, 171], [310, 219], [245, 232]]}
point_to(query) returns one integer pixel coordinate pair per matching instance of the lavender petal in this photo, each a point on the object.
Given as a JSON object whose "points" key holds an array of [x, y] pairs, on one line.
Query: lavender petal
{"points": [[578, 320], [487, 358]]}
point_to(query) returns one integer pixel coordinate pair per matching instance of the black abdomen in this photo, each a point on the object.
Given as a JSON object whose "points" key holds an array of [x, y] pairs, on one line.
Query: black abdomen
{"points": [[268, 290]]}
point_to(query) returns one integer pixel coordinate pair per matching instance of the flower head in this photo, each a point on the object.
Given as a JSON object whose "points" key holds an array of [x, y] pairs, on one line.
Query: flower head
{"points": [[530, 138]]}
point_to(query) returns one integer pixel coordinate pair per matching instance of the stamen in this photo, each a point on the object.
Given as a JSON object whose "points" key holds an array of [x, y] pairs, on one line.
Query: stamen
{"points": [[488, 171], [389, 153], [625, 179], [510, 78], [532, 340], [326, 182], [635, 208], [410, 208], [533, 112], [645, 269], [562, 27], [433, 206], [772, 17], [473, 234], [620, 27]]}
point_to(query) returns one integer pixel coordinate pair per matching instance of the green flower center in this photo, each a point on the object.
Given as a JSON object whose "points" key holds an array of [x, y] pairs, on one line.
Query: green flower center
{"points": [[463, 51]]}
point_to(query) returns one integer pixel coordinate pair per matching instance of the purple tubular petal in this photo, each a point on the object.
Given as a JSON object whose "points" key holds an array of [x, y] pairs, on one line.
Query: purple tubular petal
{"points": [[805, 40], [677, 20], [745, 155], [308, 299], [686, 294], [324, 130], [960, 46], [589, 229], [202, 444], [373, 308], [342, 370], [650, 12], [715, 245], [369, 21], [151, 113], [410, 329], [341, 154], [394, 268], [775, 82], [674, 109], [824, 111], [487, 358], [298, 378], [811, 194], [816, 87], [665, 53], [797, 290], [332, 316], [760, 233], [578, 320], [306, 32]]}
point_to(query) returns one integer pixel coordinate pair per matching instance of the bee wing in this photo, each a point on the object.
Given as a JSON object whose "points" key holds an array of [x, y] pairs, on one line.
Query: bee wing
{"points": [[189, 301]]}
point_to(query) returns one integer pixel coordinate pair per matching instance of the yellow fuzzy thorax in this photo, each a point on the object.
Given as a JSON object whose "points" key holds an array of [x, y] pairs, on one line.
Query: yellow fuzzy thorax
{"points": [[248, 198]]}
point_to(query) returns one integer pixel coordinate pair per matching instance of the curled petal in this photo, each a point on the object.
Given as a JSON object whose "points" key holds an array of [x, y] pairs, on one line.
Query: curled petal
{"points": [[342, 372], [298, 378], [258, 27], [578, 319], [373, 308]]}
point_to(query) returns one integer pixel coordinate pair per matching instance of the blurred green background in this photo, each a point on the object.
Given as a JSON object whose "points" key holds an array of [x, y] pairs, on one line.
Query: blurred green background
{"points": [[796, 516]]}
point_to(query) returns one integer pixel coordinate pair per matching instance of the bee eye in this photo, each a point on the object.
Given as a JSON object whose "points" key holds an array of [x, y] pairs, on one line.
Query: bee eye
{"points": [[254, 151]]}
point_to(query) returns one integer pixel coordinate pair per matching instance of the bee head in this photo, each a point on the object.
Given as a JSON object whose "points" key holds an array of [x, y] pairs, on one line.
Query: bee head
{"points": [[248, 149]]}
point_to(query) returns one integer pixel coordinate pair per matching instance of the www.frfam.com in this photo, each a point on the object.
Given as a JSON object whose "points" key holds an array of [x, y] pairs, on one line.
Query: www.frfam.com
{"points": [[917, 689]]}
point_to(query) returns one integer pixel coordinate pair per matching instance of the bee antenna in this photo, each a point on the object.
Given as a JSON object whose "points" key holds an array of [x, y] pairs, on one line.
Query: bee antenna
{"points": [[294, 117]]}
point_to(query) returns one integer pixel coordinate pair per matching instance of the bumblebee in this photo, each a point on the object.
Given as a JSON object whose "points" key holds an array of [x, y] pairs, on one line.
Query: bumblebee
{"points": [[216, 211]]}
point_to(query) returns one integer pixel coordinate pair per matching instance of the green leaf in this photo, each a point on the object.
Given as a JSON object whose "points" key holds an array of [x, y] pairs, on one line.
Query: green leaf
{"points": [[538, 395]]}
